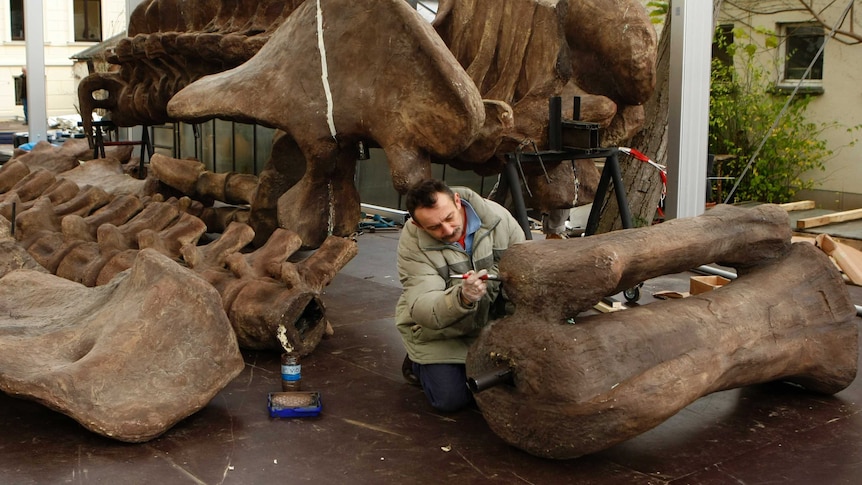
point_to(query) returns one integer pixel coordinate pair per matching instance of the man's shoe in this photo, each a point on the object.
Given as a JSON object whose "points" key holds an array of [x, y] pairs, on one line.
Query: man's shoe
{"points": [[407, 372]]}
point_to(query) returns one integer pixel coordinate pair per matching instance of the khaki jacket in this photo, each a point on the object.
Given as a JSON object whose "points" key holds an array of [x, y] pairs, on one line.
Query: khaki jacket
{"points": [[435, 326]]}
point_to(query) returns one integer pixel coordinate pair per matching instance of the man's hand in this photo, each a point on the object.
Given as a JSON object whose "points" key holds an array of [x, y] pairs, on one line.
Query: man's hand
{"points": [[474, 287]]}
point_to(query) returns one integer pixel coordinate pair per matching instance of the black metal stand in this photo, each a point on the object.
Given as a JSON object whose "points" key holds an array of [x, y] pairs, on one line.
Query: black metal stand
{"points": [[561, 132], [610, 172], [100, 143]]}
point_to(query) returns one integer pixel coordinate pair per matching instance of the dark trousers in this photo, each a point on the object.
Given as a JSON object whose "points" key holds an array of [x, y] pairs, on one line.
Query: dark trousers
{"points": [[445, 385]]}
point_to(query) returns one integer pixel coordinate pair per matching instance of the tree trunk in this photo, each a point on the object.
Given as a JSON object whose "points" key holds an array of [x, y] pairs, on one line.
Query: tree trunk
{"points": [[642, 181]]}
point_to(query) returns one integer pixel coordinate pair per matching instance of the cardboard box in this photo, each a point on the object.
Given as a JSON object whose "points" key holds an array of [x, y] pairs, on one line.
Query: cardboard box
{"points": [[702, 284]]}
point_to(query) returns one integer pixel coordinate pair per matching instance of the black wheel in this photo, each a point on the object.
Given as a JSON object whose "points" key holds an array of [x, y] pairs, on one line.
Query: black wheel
{"points": [[632, 294]]}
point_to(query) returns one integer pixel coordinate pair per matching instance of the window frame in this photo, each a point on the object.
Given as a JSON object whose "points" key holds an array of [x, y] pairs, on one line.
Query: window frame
{"points": [[787, 55], [12, 18], [78, 9]]}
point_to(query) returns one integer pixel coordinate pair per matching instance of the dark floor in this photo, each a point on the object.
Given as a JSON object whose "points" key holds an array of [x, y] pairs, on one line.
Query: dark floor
{"points": [[376, 429]]}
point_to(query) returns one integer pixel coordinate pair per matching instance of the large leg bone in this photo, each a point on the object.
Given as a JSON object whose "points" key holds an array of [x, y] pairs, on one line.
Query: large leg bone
{"points": [[325, 201], [283, 170], [583, 387], [105, 358], [588, 269]]}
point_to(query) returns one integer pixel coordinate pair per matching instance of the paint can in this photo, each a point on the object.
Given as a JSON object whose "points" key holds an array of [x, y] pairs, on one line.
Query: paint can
{"points": [[291, 372]]}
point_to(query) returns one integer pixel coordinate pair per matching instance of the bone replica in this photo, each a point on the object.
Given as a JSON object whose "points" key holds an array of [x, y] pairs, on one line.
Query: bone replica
{"points": [[128, 359], [88, 235], [580, 388], [397, 86]]}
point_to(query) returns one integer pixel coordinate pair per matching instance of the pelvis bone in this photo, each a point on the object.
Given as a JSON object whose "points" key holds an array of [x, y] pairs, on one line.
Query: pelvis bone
{"points": [[579, 388], [119, 358]]}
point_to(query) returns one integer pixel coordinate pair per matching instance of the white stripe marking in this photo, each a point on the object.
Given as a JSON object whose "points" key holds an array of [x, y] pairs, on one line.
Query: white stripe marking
{"points": [[324, 74]]}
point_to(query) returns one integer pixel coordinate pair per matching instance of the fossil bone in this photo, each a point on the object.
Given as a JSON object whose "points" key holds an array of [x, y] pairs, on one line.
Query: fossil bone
{"points": [[89, 236], [579, 388], [118, 358]]}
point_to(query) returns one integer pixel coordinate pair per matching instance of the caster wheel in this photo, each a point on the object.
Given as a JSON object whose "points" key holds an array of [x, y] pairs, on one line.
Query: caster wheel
{"points": [[632, 294]]}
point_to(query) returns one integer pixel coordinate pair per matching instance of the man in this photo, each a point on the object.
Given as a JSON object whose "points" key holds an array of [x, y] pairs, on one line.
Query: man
{"points": [[24, 94], [451, 232]]}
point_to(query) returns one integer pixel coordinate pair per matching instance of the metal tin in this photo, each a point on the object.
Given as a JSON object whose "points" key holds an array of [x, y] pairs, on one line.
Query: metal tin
{"points": [[294, 404]]}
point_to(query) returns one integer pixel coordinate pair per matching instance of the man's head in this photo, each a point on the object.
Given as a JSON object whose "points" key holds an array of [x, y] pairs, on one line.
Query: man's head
{"points": [[435, 209]]}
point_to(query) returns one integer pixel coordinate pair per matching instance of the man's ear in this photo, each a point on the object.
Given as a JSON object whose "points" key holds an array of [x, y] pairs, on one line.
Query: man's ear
{"points": [[457, 200]]}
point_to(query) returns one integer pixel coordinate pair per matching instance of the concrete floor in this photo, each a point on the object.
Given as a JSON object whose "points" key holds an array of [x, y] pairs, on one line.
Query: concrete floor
{"points": [[376, 429]]}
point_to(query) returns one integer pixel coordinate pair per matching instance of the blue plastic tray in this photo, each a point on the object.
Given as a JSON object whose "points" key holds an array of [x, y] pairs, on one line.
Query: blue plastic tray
{"points": [[298, 404]]}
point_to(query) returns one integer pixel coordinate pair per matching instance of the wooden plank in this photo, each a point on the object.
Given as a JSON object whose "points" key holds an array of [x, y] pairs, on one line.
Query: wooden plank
{"points": [[608, 305], [809, 237], [801, 205], [810, 222], [849, 260], [605, 308]]}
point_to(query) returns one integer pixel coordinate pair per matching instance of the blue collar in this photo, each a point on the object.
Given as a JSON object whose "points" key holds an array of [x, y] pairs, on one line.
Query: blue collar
{"points": [[473, 225]]}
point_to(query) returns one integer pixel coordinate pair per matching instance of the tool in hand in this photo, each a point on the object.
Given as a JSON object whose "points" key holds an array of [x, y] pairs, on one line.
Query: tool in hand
{"points": [[464, 277]]}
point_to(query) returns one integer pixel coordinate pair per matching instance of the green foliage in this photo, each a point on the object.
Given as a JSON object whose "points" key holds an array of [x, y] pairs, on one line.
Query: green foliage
{"points": [[743, 107], [657, 11]]}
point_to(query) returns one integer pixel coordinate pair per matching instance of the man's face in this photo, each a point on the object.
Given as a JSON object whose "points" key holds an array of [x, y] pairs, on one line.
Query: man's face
{"points": [[444, 221]]}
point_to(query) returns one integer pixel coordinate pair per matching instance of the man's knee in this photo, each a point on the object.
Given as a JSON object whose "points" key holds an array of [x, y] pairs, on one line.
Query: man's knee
{"points": [[452, 402], [445, 386]]}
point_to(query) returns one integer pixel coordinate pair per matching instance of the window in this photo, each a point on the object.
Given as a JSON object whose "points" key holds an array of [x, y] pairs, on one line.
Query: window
{"points": [[88, 20], [16, 16], [801, 44]]}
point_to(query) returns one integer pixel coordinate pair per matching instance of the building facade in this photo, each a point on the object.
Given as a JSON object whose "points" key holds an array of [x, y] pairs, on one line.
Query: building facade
{"points": [[69, 26], [833, 79]]}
